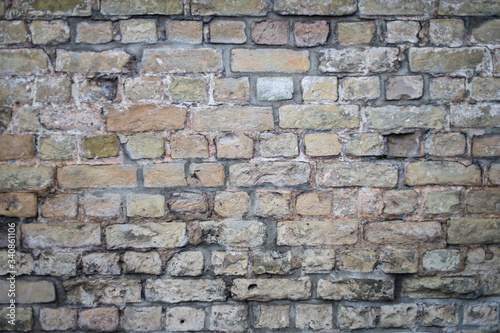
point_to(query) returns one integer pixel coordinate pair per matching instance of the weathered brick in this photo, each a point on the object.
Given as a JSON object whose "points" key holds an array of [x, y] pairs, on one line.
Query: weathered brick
{"points": [[272, 204], [485, 88], [276, 173], [29, 292], [475, 115], [146, 235], [25, 177], [60, 205], [322, 144], [89, 293], [229, 263], [102, 205], [228, 118], [482, 314], [486, 33], [402, 32], [318, 88], [24, 319], [319, 116], [482, 259], [207, 174], [494, 174], [131, 7], [139, 88], [458, 61], [399, 261], [183, 318], [67, 117], [356, 289], [94, 32], [165, 60], [140, 118], [448, 32], [100, 319], [53, 89], [355, 33], [392, 117], [176, 290], [487, 201], [57, 264], [398, 232], [315, 7], [225, 8], [58, 319], [440, 315], [188, 89], [227, 32], [187, 263], [314, 203], [309, 34], [101, 263], [342, 174], [23, 61], [145, 146], [142, 262], [363, 60], [190, 32], [441, 260], [274, 145], [446, 144], [188, 203], [231, 203], [349, 317], [145, 205], [18, 204], [30, 9], [357, 260], [229, 318], [49, 32], [404, 87], [269, 60], [398, 7], [447, 202], [274, 88], [12, 32], [143, 319], [440, 287], [101, 146], [113, 61], [164, 175], [365, 144], [271, 289], [360, 88], [138, 31], [441, 172], [41, 236], [468, 8], [232, 90], [272, 316], [313, 233], [272, 262], [24, 265], [86, 176], [233, 233], [318, 260], [191, 146], [15, 90], [405, 145], [473, 231], [314, 316], [400, 315], [270, 32]]}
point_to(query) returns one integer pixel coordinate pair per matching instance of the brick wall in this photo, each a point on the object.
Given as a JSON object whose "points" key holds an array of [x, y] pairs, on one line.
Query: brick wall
{"points": [[251, 165]]}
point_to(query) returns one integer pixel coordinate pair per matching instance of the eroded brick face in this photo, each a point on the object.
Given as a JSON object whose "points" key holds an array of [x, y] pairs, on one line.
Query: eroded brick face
{"points": [[250, 165]]}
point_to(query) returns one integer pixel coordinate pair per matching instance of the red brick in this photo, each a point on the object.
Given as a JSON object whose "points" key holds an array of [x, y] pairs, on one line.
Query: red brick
{"points": [[309, 34], [270, 32]]}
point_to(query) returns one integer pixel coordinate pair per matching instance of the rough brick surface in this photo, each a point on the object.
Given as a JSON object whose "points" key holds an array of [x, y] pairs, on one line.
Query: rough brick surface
{"points": [[250, 165]]}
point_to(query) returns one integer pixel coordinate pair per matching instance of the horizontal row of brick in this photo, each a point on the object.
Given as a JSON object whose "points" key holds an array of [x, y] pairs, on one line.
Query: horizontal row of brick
{"points": [[448, 32], [459, 61], [22, 9], [241, 317], [215, 90]]}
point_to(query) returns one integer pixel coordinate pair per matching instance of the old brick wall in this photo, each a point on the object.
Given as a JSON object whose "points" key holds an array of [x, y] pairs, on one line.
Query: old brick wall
{"points": [[251, 165]]}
